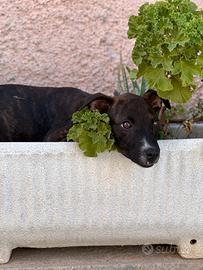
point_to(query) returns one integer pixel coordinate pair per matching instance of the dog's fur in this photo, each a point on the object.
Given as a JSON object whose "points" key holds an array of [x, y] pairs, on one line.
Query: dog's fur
{"points": [[34, 114]]}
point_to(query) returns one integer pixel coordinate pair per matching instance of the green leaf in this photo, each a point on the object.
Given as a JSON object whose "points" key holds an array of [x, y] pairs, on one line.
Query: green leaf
{"points": [[92, 131], [144, 86], [136, 87], [132, 26], [124, 76], [161, 60], [156, 60], [133, 74], [172, 46], [86, 144], [157, 79], [200, 60], [178, 94], [142, 69], [180, 40], [187, 71], [137, 55]]}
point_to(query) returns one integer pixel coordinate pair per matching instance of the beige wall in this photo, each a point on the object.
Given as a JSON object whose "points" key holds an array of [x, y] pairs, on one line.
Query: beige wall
{"points": [[64, 42]]}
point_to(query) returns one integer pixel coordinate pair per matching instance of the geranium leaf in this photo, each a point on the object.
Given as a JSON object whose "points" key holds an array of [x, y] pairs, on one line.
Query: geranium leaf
{"points": [[157, 79], [178, 94], [187, 71]]}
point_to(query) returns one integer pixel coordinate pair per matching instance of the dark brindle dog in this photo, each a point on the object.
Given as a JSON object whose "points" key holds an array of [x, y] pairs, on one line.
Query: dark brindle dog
{"points": [[35, 114]]}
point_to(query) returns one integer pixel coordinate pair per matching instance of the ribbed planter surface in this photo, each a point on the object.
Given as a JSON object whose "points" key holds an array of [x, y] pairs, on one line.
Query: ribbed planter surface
{"points": [[51, 195]]}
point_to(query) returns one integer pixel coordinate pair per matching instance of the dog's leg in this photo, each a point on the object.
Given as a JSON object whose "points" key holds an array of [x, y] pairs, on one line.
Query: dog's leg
{"points": [[57, 135]]}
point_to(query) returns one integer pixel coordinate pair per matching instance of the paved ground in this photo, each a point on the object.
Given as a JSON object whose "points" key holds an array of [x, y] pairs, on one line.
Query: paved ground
{"points": [[100, 258]]}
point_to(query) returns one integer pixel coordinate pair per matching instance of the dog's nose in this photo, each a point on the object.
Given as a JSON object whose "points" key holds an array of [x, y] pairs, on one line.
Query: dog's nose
{"points": [[152, 154]]}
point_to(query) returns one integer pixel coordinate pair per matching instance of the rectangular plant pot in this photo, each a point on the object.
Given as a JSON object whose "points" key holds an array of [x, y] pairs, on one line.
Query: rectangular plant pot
{"points": [[178, 131], [51, 195]]}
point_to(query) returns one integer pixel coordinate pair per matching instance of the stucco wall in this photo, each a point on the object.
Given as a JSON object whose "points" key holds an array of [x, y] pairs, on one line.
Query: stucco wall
{"points": [[64, 42]]}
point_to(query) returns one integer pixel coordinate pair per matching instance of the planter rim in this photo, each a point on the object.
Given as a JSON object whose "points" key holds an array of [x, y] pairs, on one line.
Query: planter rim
{"points": [[70, 148]]}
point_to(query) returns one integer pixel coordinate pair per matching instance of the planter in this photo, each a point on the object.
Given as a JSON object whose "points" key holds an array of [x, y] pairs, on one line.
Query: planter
{"points": [[51, 195], [177, 130]]}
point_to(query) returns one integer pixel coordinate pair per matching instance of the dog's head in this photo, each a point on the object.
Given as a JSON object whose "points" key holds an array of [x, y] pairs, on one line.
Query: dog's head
{"points": [[132, 120]]}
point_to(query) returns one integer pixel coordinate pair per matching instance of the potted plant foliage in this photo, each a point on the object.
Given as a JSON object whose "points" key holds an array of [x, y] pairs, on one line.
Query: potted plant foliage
{"points": [[168, 53], [168, 47], [183, 120]]}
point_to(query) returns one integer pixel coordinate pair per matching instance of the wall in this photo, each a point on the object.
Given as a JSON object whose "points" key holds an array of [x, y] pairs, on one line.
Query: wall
{"points": [[64, 42]]}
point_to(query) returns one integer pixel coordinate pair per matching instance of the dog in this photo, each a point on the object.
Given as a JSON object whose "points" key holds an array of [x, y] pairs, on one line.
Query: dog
{"points": [[43, 114]]}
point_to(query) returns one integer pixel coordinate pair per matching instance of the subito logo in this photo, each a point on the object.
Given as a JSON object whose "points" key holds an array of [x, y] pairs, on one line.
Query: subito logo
{"points": [[147, 249]]}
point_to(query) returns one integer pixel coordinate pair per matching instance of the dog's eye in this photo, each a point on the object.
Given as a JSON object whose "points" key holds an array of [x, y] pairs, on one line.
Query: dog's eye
{"points": [[126, 124]]}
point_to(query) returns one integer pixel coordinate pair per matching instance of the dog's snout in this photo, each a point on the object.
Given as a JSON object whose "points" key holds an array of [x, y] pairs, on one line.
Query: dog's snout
{"points": [[152, 154], [149, 153]]}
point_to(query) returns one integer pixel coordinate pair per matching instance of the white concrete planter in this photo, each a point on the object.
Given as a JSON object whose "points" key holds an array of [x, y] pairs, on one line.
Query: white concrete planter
{"points": [[177, 130], [53, 196]]}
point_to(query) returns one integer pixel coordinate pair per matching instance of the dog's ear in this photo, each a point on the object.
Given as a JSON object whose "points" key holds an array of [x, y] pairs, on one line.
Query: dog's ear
{"points": [[155, 101], [100, 102]]}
